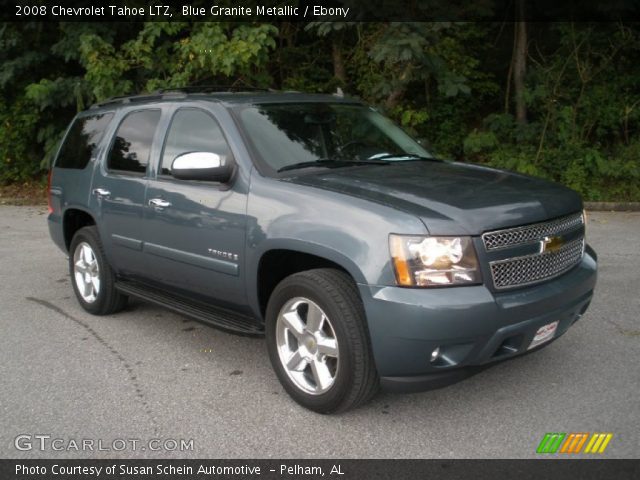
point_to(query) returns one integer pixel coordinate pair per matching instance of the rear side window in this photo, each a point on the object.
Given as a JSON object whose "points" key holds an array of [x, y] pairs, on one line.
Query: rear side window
{"points": [[132, 145], [82, 140]]}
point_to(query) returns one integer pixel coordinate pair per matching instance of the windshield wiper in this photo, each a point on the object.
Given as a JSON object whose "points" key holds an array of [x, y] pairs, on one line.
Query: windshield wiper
{"points": [[330, 163], [410, 156]]}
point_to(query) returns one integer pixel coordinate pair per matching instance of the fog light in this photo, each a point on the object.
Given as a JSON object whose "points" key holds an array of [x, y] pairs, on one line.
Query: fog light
{"points": [[435, 354]]}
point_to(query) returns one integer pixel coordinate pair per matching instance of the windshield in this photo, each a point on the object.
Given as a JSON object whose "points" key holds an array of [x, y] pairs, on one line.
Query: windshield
{"points": [[306, 134]]}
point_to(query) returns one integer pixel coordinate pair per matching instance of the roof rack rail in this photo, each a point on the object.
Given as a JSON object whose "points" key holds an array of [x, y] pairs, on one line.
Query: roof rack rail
{"points": [[171, 92], [144, 97], [215, 88]]}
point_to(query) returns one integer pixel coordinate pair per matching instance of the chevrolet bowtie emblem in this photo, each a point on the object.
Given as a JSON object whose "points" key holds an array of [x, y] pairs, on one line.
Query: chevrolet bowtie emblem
{"points": [[551, 244]]}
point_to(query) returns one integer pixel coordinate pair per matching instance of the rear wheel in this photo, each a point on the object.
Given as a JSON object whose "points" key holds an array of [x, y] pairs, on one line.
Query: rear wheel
{"points": [[318, 341], [92, 278]]}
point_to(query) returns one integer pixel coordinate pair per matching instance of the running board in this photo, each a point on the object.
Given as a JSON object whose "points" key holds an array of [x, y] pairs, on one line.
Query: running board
{"points": [[209, 314]]}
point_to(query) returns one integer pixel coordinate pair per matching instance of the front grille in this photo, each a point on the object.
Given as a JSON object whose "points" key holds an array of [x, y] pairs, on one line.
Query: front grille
{"points": [[529, 233], [519, 271]]}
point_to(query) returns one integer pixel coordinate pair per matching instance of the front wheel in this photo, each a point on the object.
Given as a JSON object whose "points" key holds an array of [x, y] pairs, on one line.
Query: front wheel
{"points": [[318, 341]]}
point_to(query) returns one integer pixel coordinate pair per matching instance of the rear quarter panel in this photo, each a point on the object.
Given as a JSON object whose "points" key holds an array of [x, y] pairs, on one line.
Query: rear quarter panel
{"points": [[70, 188]]}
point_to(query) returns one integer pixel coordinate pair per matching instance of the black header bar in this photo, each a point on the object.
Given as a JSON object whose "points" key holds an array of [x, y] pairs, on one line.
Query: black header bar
{"points": [[319, 10]]}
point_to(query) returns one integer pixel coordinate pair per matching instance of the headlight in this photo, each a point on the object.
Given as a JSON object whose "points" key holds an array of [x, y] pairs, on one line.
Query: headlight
{"points": [[421, 261]]}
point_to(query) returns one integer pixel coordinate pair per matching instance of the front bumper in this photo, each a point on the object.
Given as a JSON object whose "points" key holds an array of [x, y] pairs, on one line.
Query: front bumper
{"points": [[472, 326]]}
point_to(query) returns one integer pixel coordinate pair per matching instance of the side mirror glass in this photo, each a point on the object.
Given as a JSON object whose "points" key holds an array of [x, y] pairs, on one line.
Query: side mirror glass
{"points": [[206, 166]]}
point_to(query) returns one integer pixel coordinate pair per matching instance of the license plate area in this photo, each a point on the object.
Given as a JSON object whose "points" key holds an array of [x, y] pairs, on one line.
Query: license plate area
{"points": [[544, 334]]}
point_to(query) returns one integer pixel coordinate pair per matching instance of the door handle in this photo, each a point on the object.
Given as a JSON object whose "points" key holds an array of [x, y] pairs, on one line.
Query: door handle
{"points": [[158, 202], [101, 192]]}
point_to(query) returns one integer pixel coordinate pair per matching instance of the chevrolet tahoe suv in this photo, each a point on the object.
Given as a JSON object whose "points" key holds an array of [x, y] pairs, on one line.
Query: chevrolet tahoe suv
{"points": [[315, 221]]}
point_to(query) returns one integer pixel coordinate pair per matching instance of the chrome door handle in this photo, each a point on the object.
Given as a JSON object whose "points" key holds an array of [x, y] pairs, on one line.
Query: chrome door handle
{"points": [[158, 202], [101, 192]]}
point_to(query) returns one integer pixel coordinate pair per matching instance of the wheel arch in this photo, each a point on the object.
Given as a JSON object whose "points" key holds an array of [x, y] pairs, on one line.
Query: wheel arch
{"points": [[283, 259], [74, 219]]}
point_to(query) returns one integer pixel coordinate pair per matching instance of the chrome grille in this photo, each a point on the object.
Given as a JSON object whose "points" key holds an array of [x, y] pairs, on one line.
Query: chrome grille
{"points": [[529, 233], [519, 271]]}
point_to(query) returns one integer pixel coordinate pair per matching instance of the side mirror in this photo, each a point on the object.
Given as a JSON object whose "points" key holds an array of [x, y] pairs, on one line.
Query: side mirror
{"points": [[206, 166]]}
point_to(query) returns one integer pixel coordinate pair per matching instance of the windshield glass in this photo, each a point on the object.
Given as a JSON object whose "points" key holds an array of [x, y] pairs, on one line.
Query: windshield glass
{"points": [[285, 135]]}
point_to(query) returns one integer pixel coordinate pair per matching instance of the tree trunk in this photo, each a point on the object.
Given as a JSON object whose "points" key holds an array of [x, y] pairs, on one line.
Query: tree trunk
{"points": [[520, 62], [394, 98], [338, 62]]}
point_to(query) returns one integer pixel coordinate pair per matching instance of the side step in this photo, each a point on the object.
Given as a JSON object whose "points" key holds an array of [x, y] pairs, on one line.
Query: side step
{"points": [[209, 314]]}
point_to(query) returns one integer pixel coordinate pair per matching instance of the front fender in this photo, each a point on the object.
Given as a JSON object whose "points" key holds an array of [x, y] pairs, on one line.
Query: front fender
{"points": [[350, 232]]}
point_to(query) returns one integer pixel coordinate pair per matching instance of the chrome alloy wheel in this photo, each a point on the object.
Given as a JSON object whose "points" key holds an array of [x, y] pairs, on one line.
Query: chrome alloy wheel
{"points": [[307, 346], [86, 272]]}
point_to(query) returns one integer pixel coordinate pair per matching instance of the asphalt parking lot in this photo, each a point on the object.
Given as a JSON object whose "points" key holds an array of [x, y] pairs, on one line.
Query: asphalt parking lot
{"points": [[149, 373]]}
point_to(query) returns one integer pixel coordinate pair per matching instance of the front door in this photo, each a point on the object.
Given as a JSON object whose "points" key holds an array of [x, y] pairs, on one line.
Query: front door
{"points": [[195, 230]]}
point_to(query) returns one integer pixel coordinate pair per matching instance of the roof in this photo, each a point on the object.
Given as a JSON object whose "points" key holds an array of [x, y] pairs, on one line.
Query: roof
{"points": [[226, 97]]}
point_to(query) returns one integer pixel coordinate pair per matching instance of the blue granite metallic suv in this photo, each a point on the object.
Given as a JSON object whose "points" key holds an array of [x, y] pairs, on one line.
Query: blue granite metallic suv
{"points": [[315, 221]]}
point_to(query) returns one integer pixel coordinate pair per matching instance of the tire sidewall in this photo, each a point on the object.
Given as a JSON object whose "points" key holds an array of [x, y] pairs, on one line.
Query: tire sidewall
{"points": [[304, 287]]}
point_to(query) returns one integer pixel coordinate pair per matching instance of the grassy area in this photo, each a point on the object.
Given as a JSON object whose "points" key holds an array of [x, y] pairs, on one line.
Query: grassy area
{"points": [[26, 193]]}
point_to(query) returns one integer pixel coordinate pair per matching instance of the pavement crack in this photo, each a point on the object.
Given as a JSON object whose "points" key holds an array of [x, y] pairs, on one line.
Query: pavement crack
{"points": [[131, 375], [621, 330]]}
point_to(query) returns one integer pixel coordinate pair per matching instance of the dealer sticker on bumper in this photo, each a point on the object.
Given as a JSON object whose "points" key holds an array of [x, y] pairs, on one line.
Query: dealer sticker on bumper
{"points": [[544, 334]]}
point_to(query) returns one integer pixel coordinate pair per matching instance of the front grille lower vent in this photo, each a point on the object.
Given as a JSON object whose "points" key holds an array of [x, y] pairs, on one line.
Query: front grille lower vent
{"points": [[526, 270]]}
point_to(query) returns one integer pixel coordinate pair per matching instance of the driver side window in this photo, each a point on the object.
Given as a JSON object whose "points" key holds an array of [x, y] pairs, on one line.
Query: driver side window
{"points": [[192, 130]]}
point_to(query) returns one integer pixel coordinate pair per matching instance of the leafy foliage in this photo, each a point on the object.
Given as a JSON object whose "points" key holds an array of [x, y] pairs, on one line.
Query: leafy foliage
{"points": [[446, 82]]}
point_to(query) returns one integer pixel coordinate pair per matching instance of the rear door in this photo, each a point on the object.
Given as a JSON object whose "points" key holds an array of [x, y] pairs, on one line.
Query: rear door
{"points": [[118, 189], [195, 230]]}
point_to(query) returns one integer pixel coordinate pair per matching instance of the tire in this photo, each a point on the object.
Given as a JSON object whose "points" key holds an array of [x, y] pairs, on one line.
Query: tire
{"points": [[318, 341], [92, 278]]}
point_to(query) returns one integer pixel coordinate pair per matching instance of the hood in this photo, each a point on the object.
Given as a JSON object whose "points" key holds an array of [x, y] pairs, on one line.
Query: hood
{"points": [[451, 198]]}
